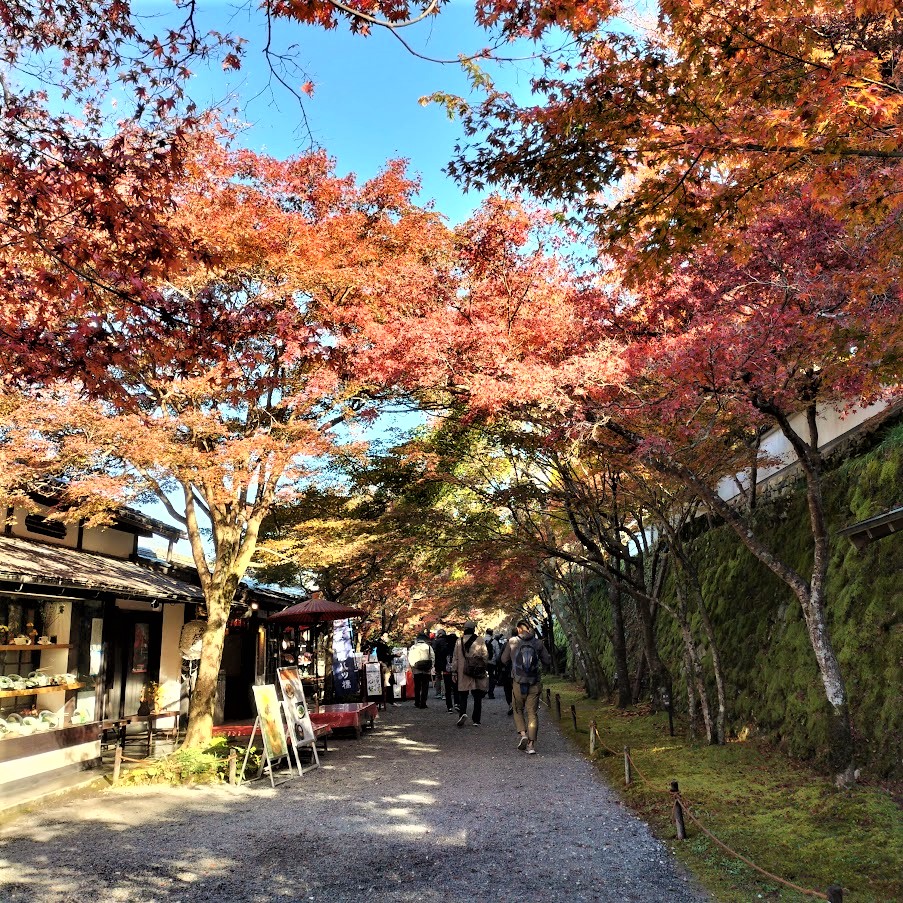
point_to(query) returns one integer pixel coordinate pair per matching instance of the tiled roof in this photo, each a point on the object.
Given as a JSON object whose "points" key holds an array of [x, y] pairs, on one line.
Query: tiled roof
{"points": [[44, 565]]}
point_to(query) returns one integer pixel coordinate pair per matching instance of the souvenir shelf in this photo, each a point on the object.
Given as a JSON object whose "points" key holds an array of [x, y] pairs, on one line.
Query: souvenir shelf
{"points": [[34, 691], [24, 651]]}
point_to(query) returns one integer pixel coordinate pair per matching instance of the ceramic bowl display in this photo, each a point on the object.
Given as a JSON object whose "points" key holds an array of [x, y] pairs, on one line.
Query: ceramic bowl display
{"points": [[5, 683], [22, 641], [79, 716], [29, 725]]}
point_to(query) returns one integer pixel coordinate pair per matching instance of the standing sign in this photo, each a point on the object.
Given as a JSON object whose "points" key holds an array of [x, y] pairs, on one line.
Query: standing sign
{"points": [[373, 671], [297, 716], [296, 711], [269, 720]]}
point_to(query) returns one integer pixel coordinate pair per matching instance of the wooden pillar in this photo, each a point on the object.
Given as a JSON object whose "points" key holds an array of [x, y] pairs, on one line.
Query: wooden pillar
{"points": [[233, 763], [558, 706], [628, 776], [835, 894], [592, 738], [574, 716]]}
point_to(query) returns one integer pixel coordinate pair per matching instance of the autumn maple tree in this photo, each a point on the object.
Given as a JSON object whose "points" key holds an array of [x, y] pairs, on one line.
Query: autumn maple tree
{"points": [[229, 388], [97, 126], [659, 132]]}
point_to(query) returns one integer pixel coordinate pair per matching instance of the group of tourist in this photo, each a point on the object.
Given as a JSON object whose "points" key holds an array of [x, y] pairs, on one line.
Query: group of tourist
{"points": [[472, 666]]}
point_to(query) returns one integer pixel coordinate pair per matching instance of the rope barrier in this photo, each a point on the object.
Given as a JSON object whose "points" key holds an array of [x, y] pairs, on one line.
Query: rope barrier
{"points": [[749, 862], [679, 799]]}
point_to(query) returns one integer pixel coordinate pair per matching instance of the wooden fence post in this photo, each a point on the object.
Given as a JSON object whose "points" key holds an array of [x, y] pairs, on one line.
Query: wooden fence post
{"points": [[549, 698], [117, 763], [678, 813], [628, 777], [835, 894], [592, 738], [574, 716], [233, 767], [558, 706]]}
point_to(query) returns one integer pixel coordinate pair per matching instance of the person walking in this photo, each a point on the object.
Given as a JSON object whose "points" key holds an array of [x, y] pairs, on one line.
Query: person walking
{"points": [[469, 672], [423, 661], [503, 670], [441, 657], [525, 652], [491, 663], [447, 672]]}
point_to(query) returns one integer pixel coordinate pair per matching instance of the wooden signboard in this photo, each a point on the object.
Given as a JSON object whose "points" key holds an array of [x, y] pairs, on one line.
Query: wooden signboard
{"points": [[374, 677], [269, 721], [297, 716]]}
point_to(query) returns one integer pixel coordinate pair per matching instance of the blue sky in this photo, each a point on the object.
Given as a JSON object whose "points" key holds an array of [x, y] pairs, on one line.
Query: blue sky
{"points": [[365, 108]]}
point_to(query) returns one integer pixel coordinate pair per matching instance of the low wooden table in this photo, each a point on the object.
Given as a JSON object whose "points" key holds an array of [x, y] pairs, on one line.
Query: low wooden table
{"points": [[152, 718]]}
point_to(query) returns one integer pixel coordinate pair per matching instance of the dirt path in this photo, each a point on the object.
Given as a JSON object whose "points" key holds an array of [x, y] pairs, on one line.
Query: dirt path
{"points": [[419, 810]]}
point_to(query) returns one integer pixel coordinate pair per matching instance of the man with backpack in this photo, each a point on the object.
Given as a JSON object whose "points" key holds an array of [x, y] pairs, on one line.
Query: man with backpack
{"points": [[526, 652], [469, 672]]}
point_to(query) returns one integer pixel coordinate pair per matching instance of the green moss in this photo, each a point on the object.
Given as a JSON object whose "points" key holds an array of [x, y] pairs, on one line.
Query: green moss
{"points": [[773, 681], [783, 816]]}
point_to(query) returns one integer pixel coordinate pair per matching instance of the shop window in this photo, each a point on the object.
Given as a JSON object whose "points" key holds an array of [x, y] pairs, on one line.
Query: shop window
{"points": [[37, 523]]}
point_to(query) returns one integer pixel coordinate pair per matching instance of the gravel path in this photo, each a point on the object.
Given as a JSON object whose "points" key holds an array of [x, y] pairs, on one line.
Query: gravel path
{"points": [[418, 810]]}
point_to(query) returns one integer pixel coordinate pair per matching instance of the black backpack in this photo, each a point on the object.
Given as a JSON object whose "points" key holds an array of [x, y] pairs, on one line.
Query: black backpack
{"points": [[526, 662]]}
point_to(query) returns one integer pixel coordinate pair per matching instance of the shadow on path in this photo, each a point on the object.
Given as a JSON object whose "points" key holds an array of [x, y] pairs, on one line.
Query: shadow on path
{"points": [[418, 809]]}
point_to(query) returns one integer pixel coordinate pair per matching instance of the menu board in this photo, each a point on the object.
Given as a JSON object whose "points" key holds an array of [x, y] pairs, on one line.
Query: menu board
{"points": [[296, 712]]}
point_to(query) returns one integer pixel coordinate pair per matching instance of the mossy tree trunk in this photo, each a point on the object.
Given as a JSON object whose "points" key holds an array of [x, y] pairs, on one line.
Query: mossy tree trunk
{"points": [[811, 592], [619, 645], [694, 663]]}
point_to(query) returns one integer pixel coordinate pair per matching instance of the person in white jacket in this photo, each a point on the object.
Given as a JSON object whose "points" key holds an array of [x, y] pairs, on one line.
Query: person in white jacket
{"points": [[422, 660]]}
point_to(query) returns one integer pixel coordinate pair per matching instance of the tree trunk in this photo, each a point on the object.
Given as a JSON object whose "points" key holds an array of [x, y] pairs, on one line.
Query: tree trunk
{"points": [[691, 655], [692, 714], [717, 667], [619, 645], [659, 674], [840, 736], [203, 699]]}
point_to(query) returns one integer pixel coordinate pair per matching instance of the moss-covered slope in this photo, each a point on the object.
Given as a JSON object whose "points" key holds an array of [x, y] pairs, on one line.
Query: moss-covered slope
{"points": [[773, 681]]}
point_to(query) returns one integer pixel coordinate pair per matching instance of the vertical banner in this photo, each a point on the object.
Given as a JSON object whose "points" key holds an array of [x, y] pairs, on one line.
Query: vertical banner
{"points": [[344, 664]]}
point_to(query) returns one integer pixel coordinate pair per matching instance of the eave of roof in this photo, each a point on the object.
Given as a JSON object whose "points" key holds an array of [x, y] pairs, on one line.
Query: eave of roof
{"points": [[865, 531], [37, 564]]}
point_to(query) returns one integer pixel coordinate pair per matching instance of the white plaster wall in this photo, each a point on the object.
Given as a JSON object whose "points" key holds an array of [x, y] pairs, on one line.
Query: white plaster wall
{"points": [[70, 540], [31, 766], [171, 659], [833, 424], [104, 540], [108, 542]]}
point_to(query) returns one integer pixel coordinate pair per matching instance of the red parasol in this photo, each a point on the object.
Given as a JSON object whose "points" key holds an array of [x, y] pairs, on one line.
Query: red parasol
{"points": [[314, 611], [311, 613]]}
